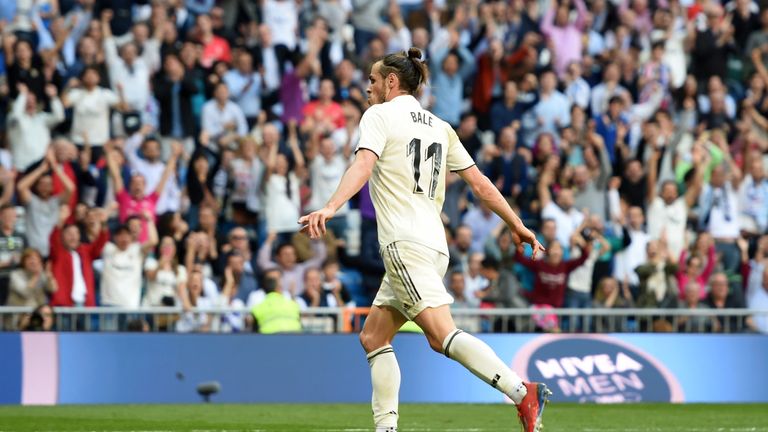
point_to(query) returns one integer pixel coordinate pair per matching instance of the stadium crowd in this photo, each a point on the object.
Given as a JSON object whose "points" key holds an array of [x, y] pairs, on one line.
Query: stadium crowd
{"points": [[160, 152]]}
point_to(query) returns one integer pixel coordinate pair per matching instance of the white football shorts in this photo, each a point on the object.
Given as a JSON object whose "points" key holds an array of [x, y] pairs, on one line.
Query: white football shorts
{"points": [[413, 279]]}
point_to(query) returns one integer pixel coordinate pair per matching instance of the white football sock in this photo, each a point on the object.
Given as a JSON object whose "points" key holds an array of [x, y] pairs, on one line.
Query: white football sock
{"points": [[480, 359], [385, 377]]}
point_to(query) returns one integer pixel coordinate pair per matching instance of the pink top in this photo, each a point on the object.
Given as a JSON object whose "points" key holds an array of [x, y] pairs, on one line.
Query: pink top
{"points": [[215, 50], [130, 206], [332, 112], [701, 279], [566, 41]]}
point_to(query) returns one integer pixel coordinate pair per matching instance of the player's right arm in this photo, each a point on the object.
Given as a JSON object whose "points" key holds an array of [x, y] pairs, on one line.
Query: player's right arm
{"points": [[353, 180]]}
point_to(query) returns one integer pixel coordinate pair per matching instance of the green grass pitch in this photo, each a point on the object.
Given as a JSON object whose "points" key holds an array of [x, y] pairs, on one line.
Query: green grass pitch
{"points": [[356, 418]]}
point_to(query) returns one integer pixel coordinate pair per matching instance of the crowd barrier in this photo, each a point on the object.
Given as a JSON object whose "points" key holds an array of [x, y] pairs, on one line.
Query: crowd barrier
{"points": [[351, 320], [117, 368]]}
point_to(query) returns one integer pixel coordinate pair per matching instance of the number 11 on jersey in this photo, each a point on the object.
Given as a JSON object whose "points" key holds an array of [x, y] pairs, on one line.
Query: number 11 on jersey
{"points": [[434, 151]]}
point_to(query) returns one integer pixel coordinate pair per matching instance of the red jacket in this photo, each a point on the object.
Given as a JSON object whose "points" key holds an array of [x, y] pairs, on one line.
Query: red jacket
{"points": [[482, 92], [61, 267]]}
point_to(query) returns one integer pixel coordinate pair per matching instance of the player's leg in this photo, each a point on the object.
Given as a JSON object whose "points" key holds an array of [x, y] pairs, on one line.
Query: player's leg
{"points": [[380, 327], [471, 352]]}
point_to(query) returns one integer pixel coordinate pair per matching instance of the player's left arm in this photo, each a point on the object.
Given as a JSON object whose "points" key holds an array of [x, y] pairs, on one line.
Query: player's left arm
{"points": [[484, 190], [353, 180]]}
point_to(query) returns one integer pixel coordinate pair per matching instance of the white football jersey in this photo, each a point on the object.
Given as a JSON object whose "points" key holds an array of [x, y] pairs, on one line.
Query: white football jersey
{"points": [[415, 150]]}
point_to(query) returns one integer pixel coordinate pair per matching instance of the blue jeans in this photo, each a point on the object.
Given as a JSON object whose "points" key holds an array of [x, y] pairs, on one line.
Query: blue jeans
{"points": [[577, 300], [730, 256]]}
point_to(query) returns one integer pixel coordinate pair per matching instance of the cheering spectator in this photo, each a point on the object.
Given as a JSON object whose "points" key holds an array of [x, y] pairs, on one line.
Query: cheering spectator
{"points": [[610, 296], [566, 217], [552, 274], [247, 170], [175, 89], [565, 38], [507, 168], [214, 48], [282, 202], [450, 68], [42, 206], [12, 244], [552, 112], [123, 262], [129, 70], [753, 198], [194, 321], [628, 260], [667, 211], [693, 271], [166, 278], [326, 167], [29, 128], [658, 285], [506, 112], [91, 107], [244, 86], [232, 321], [607, 89], [22, 66], [72, 262], [30, 284], [291, 271], [142, 152], [222, 120], [133, 201], [756, 272], [323, 114], [200, 188]]}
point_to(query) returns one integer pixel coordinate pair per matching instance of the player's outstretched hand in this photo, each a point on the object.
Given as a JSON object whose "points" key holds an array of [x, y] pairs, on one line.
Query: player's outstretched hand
{"points": [[314, 223], [524, 235]]}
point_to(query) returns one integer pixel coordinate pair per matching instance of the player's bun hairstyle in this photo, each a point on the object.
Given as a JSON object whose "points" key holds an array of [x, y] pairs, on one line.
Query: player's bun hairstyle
{"points": [[409, 68]]}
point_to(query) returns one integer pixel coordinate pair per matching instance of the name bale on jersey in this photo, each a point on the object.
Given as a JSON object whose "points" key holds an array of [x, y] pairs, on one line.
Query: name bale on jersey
{"points": [[422, 118]]}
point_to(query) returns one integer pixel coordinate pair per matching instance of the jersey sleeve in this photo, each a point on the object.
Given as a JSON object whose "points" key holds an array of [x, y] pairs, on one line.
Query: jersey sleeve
{"points": [[458, 159], [373, 134]]}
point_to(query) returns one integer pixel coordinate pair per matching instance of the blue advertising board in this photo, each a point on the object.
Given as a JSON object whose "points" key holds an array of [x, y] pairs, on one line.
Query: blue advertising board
{"points": [[166, 368]]}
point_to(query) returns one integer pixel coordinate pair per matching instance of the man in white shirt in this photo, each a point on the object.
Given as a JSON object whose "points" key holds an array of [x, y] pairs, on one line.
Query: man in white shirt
{"points": [[222, 119], [123, 262], [326, 167], [719, 215], [636, 253], [753, 197], [607, 89], [121, 278], [282, 18], [567, 218], [577, 89], [667, 211], [29, 128], [91, 105], [129, 69], [757, 292]]}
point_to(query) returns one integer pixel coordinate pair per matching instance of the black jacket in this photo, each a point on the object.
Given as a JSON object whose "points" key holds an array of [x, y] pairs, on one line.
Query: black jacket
{"points": [[163, 88]]}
